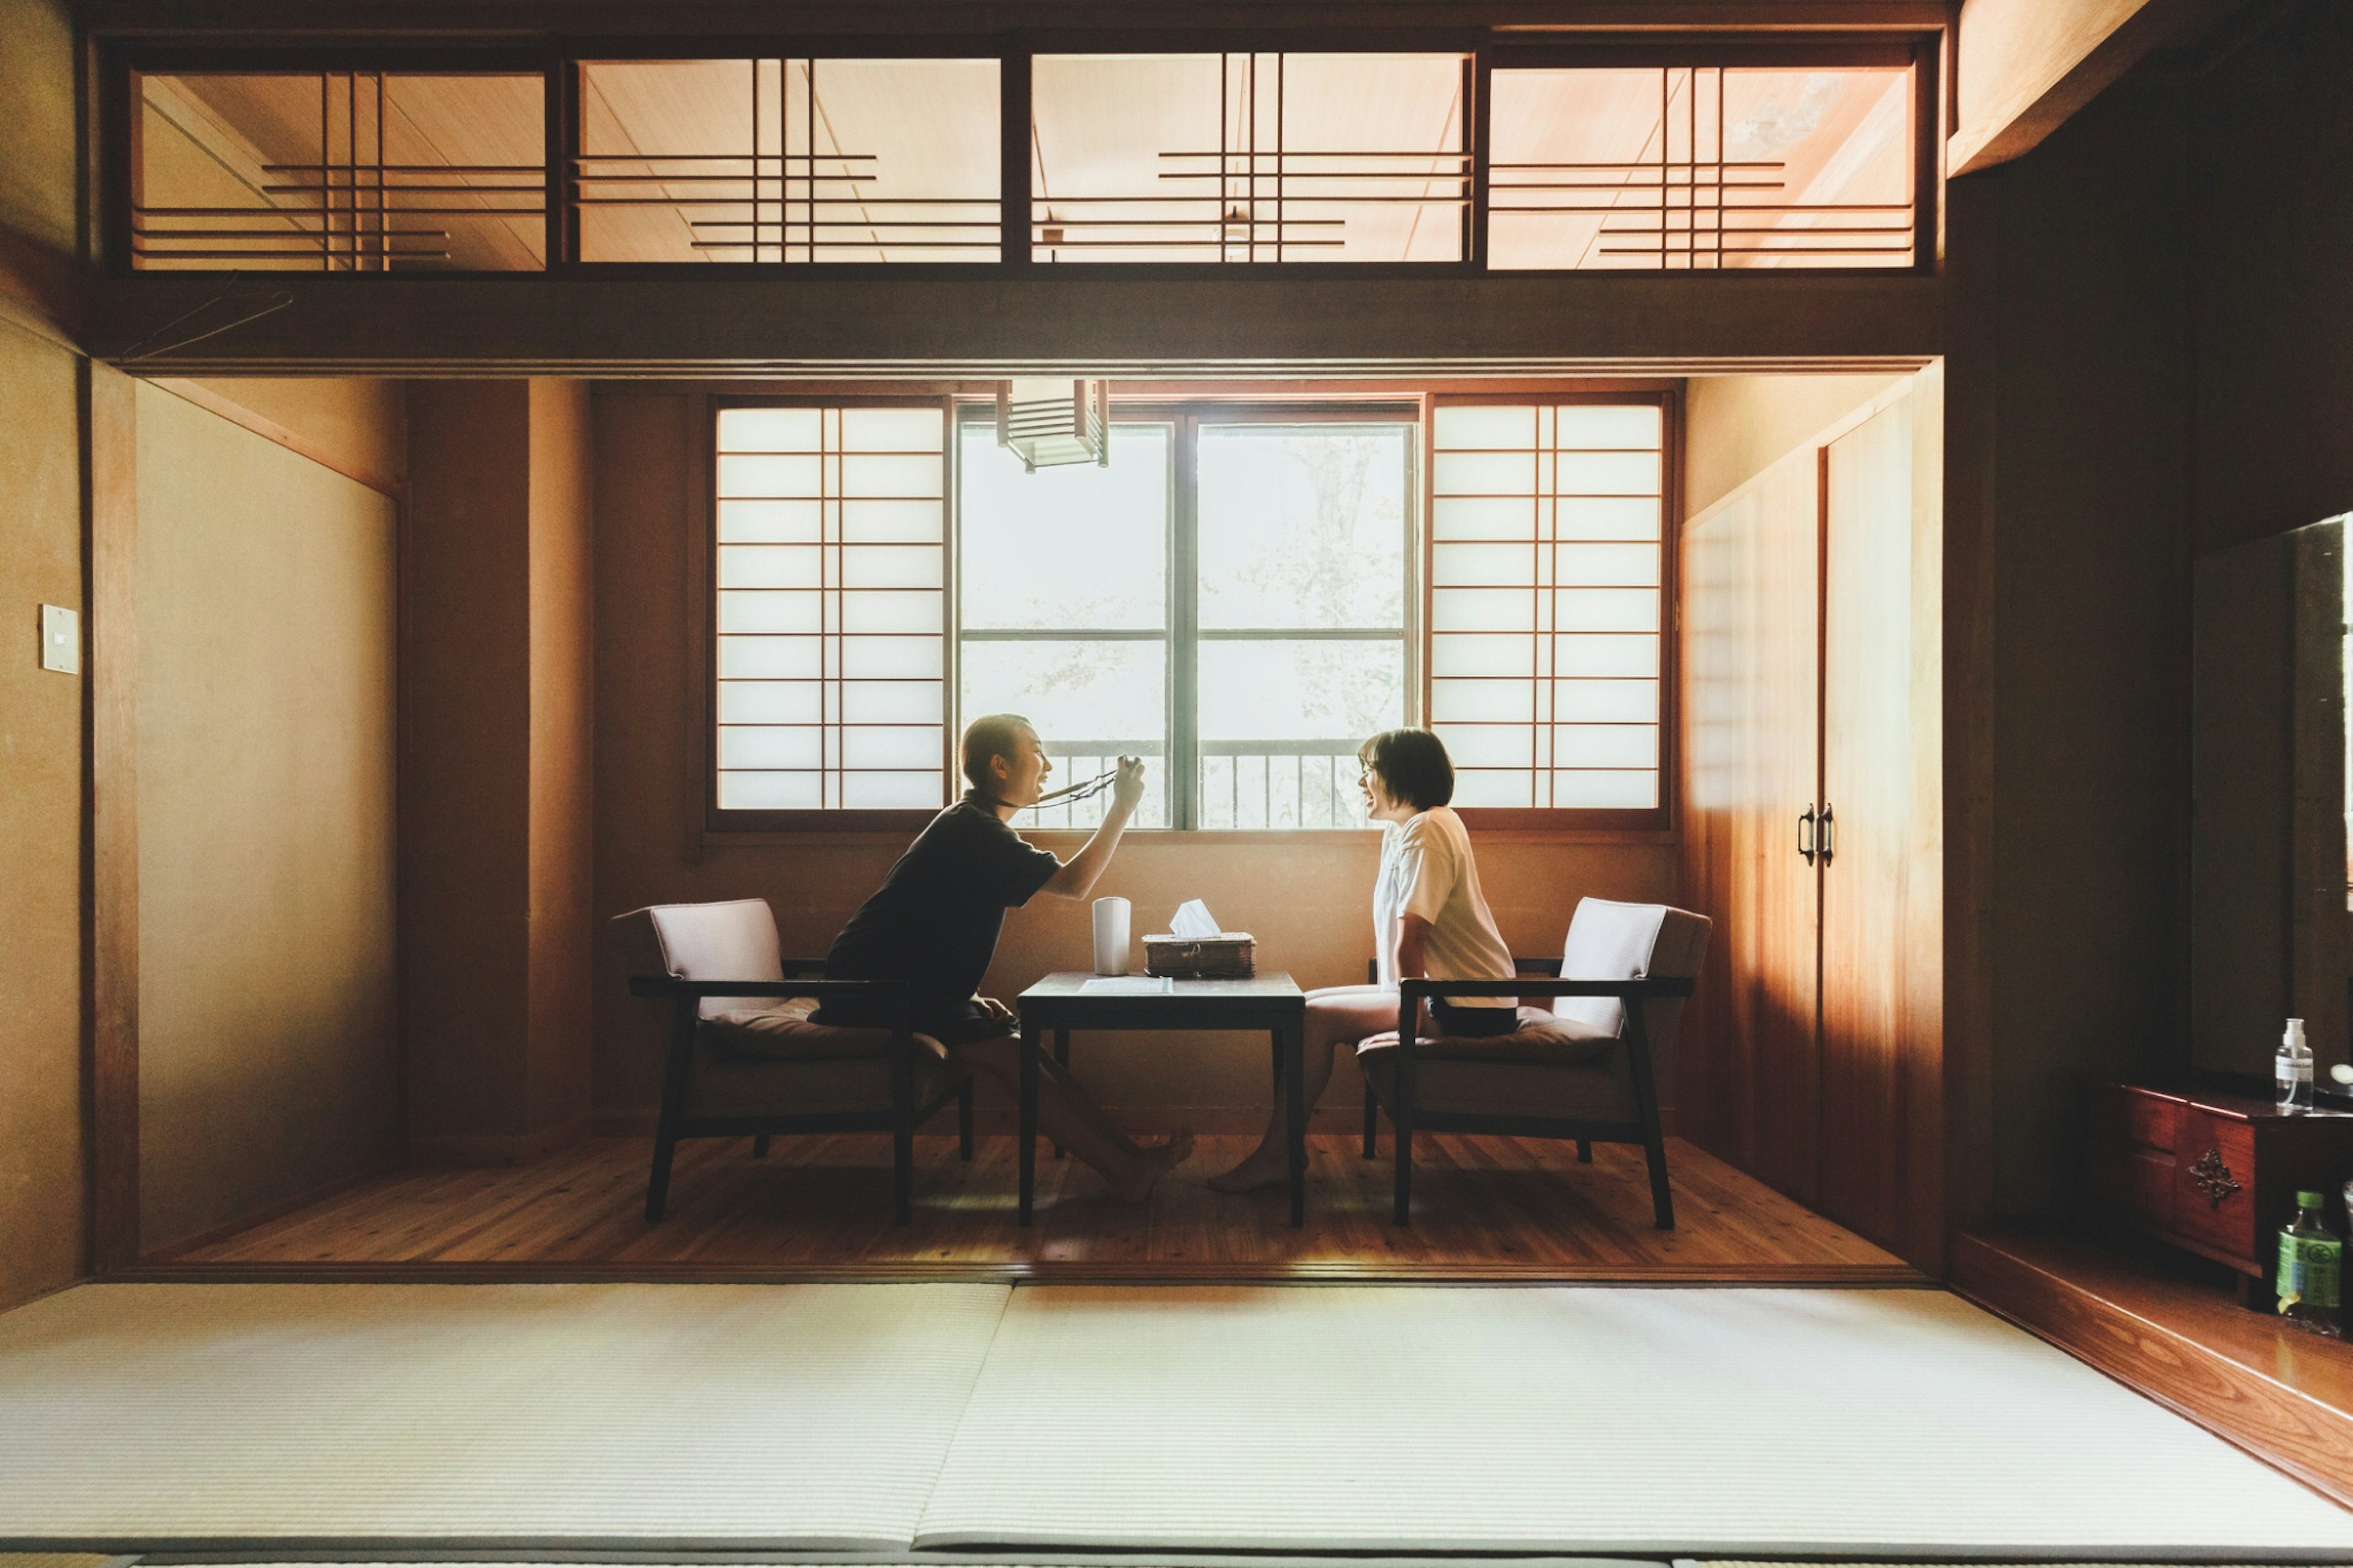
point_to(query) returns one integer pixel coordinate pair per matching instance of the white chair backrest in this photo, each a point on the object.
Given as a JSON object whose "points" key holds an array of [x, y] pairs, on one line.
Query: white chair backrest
{"points": [[1610, 940], [731, 941], [1607, 941]]}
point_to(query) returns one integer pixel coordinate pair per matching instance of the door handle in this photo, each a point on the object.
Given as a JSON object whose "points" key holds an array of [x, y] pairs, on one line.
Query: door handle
{"points": [[1829, 842], [1806, 833]]}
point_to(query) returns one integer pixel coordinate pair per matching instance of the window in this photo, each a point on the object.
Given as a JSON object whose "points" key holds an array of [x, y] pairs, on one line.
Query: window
{"points": [[831, 562], [339, 172], [1241, 595], [788, 161], [1685, 156], [1548, 602], [1683, 167], [1250, 157]]}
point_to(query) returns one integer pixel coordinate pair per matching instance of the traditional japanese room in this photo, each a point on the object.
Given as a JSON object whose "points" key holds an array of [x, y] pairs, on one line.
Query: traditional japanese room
{"points": [[524, 513]]}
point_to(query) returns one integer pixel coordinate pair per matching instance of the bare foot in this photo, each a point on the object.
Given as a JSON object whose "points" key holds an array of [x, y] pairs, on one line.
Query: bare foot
{"points": [[1156, 1161], [1260, 1170]]}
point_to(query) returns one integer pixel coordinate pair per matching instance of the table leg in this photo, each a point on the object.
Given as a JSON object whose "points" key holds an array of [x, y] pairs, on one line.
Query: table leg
{"points": [[1062, 1056], [1294, 1037], [1024, 1136]]}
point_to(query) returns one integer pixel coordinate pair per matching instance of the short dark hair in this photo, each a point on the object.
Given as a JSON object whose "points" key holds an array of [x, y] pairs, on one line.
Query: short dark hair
{"points": [[1413, 766], [990, 735]]}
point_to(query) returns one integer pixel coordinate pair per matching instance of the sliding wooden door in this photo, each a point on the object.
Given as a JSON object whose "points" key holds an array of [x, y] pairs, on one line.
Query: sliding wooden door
{"points": [[1752, 685], [1813, 723], [1867, 635]]}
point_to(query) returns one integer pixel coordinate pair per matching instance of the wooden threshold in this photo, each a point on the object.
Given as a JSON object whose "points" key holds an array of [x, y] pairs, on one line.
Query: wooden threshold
{"points": [[2168, 1332], [1897, 1276], [1490, 1211]]}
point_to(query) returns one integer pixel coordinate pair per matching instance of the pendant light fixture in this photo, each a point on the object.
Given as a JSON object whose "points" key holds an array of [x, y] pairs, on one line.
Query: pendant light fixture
{"points": [[1048, 422]]}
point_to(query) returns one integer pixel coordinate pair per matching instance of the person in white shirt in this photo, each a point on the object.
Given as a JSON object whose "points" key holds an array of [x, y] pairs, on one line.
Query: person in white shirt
{"points": [[1429, 922]]}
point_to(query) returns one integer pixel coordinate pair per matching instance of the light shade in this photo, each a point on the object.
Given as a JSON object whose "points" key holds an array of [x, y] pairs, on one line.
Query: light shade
{"points": [[1047, 422]]}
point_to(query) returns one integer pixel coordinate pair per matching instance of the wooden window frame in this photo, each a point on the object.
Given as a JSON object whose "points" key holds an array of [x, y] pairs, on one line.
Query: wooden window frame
{"points": [[705, 621], [1658, 821], [118, 130], [1485, 51], [1380, 403], [1921, 55]]}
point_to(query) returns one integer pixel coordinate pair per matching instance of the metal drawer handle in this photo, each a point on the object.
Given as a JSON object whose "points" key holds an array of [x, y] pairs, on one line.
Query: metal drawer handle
{"points": [[2212, 1177], [1806, 834]]}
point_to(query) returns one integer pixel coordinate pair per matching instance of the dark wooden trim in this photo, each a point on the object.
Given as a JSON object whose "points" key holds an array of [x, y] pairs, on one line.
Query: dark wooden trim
{"points": [[110, 491], [294, 21], [1015, 120], [1704, 52], [2284, 1397], [1121, 322], [1826, 1276]]}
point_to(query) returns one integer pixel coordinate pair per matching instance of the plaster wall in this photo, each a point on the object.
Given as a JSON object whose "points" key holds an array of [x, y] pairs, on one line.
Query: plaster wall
{"points": [[267, 1049]]}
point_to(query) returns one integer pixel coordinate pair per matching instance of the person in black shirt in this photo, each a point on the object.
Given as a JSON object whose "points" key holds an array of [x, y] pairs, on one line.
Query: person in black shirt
{"points": [[934, 922]]}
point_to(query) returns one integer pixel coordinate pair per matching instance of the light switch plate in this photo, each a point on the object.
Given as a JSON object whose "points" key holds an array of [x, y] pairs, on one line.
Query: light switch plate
{"points": [[60, 640]]}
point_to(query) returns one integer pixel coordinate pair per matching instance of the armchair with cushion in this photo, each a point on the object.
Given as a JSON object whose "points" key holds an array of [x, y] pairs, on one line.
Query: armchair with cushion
{"points": [[745, 1061], [1590, 1069]]}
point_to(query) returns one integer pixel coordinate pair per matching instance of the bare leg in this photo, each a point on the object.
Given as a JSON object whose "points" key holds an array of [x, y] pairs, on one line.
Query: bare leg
{"points": [[1067, 1115], [1342, 1016]]}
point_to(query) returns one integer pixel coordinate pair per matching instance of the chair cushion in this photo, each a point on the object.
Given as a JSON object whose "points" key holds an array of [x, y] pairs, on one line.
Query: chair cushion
{"points": [[1542, 1036], [772, 1061], [782, 1032]]}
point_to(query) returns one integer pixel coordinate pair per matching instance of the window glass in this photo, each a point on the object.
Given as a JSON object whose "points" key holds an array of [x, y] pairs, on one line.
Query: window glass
{"points": [[1701, 167], [1303, 525], [788, 161], [339, 172], [1302, 530], [1250, 157], [1064, 607]]}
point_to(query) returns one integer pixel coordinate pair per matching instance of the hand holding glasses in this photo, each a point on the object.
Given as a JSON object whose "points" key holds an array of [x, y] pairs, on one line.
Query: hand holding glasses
{"points": [[1127, 778]]}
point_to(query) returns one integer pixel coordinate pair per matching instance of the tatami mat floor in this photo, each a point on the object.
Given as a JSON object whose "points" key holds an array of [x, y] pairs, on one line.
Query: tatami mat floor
{"points": [[1398, 1421]]}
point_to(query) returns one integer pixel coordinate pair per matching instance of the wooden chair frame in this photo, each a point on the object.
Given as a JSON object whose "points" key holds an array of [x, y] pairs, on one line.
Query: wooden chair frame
{"points": [[899, 1120], [1538, 978]]}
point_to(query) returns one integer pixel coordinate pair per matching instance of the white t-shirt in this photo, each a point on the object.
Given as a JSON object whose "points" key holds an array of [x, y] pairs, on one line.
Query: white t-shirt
{"points": [[1427, 870]]}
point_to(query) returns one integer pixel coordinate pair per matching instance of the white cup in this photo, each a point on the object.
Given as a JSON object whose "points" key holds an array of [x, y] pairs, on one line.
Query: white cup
{"points": [[1111, 936]]}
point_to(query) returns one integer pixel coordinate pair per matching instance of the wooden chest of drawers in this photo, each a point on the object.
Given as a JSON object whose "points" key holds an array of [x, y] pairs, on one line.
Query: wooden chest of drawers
{"points": [[2215, 1173]]}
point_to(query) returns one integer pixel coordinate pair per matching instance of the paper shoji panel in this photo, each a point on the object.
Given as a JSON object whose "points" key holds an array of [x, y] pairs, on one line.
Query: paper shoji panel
{"points": [[832, 608], [1546, 602]]}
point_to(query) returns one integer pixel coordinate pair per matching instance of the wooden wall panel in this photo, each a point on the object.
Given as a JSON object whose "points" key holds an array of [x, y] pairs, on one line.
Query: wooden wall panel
{"points": [[111, 481]]}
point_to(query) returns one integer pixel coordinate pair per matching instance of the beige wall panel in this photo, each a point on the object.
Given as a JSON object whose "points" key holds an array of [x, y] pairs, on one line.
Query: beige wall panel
{"points": [[1736, 426], [562, 703], [1307, 899], [355, 425], [38, 131], [41, 1171], [266, 741]]}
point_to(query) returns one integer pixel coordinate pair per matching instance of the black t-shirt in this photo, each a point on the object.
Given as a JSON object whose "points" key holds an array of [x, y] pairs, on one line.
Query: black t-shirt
{"points": [[935, 919]]}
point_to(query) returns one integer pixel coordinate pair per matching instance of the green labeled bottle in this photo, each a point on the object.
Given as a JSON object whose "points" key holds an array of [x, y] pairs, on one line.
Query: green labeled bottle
{"points": [[2311, 1269]]}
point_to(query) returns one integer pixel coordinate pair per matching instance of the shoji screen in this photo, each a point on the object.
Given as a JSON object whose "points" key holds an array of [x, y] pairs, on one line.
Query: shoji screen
{"points": [[831, 576], [1547, 602]]}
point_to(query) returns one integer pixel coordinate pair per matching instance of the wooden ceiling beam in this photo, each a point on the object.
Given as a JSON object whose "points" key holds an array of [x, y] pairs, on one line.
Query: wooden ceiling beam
{"points": [[1362, 21], [2023, 66], [1126, 325]]}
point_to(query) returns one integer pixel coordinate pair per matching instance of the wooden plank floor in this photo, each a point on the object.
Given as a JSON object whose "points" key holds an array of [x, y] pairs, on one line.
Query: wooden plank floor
{"points": [[819, 1207], [2167, 1325]]}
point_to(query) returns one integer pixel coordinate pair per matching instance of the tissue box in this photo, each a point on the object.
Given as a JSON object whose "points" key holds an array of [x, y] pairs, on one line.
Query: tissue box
{"points": [[1228, 956]]}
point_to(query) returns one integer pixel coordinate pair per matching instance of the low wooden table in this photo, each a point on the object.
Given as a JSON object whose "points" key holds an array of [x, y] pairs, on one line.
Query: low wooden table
{"points": [[1272, 1003]]}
